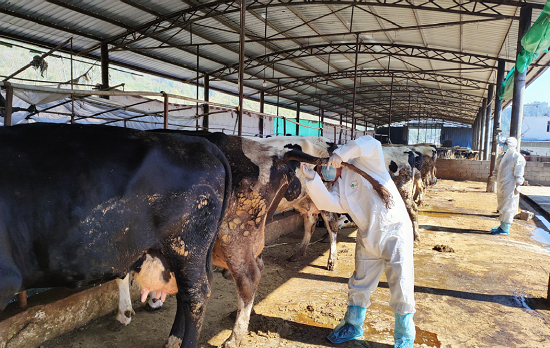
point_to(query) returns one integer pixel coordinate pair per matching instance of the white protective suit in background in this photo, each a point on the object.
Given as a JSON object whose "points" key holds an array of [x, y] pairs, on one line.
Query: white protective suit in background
{"points": [[384, 237], [509, 172]]}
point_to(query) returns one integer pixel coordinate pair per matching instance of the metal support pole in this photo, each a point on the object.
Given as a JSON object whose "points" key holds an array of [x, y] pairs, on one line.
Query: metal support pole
{"points": [[322, 112], [261, 122], [284, 126], [206, 107], [165, 110], [341, 129], [298, 118], [484, 126], [474, 132], [488, 131], [479, 131], [104, 66], [241, 68], [9, 104], [491, 184], [335, 134], [197, 92], [389, 116], [354, 86], [519, 78]]}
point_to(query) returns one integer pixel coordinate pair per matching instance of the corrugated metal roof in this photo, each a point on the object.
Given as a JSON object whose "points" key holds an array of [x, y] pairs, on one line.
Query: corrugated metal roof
{"points": [[440, 52]]}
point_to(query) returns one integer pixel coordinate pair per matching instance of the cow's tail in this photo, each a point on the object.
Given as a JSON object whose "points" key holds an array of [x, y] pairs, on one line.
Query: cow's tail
{"points": [[226, 196], [382, 192]]}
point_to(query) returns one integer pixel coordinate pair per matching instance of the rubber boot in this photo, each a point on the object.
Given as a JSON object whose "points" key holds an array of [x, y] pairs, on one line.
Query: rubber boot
{"points": [[405, 332], [351, 327]]}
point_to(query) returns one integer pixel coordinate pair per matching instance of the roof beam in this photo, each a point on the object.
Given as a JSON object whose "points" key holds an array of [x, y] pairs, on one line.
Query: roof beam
{"points": [[224, 7]]}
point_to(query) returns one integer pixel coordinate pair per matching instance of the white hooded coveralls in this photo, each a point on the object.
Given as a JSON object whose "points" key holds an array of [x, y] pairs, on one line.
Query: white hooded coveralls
{"points": [[510, 168], [384, 237]]}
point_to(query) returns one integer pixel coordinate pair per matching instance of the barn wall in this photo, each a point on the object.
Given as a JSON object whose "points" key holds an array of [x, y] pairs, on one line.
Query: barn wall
{"points": [[536, 173]]}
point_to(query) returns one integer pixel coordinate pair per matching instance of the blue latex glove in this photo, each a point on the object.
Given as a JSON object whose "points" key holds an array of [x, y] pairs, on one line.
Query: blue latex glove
{"points": [[405, 332], [351, 327]]}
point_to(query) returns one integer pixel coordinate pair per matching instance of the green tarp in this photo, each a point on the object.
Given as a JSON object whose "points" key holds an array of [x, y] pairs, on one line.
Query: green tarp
{"points": [[534, 42]]}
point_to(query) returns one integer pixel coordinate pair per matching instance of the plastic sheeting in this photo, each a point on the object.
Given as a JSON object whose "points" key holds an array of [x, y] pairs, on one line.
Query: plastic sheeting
{"points": [[118, 111], [534, 42]]}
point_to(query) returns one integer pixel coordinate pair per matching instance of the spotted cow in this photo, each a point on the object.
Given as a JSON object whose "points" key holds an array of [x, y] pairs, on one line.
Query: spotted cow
{"points": [[82, 204], [260, 180], [318, 147]]}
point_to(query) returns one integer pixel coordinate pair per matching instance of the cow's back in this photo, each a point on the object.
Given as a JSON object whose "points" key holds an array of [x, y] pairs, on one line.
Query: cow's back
{"points": [[79, 204]]}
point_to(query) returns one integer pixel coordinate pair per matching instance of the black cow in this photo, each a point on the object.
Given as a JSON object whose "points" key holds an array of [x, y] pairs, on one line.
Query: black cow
{"points": [[80, 204]]}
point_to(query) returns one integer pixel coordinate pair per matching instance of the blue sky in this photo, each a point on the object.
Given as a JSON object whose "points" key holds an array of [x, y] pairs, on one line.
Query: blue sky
{"points": [[539, 90]]}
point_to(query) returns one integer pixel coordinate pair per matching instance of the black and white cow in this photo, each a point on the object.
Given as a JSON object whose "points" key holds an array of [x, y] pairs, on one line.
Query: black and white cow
{"points": [[260, 180], [80, 205], [318, 147]]}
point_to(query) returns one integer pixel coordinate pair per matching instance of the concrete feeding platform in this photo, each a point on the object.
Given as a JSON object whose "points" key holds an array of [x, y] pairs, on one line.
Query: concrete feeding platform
{"points": [[539, 196]]}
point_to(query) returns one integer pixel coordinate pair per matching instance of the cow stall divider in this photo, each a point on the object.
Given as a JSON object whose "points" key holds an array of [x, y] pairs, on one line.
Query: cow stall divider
{"points": [[148, 110]]}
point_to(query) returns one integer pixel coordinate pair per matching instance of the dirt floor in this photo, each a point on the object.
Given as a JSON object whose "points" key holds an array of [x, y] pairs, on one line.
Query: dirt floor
{"points": [[489, 291]]}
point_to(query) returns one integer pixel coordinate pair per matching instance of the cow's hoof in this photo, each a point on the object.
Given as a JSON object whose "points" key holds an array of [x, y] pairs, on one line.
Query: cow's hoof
{"points": [[295, 257], [124, 318], [116, 325], [330, 265], [173, 342], [230, 343], [226, 274]]}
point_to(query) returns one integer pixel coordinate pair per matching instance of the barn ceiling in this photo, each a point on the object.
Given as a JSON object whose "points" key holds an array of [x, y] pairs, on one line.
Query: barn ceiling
{"points": [[406, 58]]}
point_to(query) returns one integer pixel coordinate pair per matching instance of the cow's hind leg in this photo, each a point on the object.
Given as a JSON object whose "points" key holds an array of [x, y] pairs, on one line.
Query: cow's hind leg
{"points": [[125, 310], [247, 276], [310, 220], [194, 288], [10, 283], [331, 221]]}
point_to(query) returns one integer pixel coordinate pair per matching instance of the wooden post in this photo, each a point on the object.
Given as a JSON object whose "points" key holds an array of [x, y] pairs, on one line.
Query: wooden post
{"points": [[516, 119], [165, 110], [22, 299], [104, 68], [9, 104]]}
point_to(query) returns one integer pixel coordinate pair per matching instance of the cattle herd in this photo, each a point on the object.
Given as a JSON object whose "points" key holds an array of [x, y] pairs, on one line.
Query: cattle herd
{"points": [[81, 205]]}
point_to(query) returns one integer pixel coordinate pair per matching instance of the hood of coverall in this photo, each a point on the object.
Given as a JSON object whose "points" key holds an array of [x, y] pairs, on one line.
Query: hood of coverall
{"points": [[512, 143]]}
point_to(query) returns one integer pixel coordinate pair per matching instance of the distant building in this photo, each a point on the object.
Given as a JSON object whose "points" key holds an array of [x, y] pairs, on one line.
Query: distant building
{"points": [[536, 128]]}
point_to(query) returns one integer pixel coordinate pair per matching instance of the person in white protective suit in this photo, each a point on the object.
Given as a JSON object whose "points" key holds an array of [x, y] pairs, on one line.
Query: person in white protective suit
{"points": [[384, 239], [509, 170]]}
